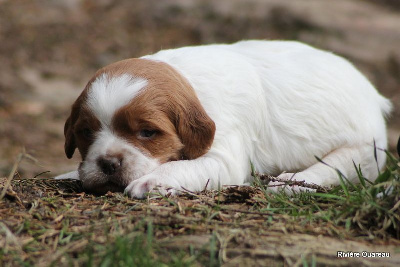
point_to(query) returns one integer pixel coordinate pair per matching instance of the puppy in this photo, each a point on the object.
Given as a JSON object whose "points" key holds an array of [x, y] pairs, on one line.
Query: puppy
{"points": [[198, 117]]}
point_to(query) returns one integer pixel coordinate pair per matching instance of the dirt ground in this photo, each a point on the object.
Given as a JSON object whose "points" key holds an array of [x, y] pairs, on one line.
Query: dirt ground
{"points": [[49, 222], [49, 50]]}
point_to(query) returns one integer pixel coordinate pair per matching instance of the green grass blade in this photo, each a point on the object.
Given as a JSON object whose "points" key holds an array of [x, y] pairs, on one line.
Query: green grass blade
{"points": [[328, 196]]}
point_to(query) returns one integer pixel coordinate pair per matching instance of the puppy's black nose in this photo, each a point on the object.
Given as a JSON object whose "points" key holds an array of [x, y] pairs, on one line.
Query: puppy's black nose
{"points": [[109, 165]]}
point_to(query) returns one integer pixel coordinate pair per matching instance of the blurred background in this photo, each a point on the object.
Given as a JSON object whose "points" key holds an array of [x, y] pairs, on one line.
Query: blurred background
{"points": [[50, 48]]}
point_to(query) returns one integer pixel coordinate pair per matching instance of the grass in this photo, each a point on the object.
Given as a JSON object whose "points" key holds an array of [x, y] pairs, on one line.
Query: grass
{"points": [[135, 249], [370, 208], [44, 222]]}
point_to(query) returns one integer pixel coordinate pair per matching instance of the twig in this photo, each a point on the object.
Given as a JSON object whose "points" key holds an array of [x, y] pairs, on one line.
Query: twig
{"points": [[205, 188], [11, 175], [268, 178], [40, 174]]}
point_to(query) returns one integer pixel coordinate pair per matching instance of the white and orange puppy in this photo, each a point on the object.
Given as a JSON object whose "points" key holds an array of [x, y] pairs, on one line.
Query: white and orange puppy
{"points": [[198, 116]]}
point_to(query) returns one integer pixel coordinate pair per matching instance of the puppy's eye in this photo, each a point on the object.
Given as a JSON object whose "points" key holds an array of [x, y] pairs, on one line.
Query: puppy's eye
{"points": [[147, 134]]}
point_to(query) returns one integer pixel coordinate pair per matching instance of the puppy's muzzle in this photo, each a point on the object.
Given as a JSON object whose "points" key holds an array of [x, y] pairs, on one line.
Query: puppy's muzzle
{"points": [[112, 169], [109, 165]]}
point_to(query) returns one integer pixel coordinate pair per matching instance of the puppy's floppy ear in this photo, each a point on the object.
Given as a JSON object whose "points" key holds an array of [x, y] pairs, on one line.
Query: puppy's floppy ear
{"points": [[173, 94], [398, 147], [195, 129], [70, 143]]}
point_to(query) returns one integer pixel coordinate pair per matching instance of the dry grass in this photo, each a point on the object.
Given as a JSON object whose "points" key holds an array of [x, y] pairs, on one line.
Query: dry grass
{"points": [[46, 222]]}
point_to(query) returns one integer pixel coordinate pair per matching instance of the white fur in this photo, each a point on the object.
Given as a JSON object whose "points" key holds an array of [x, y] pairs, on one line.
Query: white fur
{"points": [[108, 94], [277, 105]]}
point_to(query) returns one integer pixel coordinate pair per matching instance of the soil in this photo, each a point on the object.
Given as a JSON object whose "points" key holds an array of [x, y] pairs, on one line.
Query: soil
{"points": [[50, 49], [39, 210]]}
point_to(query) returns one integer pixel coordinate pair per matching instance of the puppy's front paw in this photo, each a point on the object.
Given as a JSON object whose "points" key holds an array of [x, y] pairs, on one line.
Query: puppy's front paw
{"points": [[74, 175], [151, 183]]}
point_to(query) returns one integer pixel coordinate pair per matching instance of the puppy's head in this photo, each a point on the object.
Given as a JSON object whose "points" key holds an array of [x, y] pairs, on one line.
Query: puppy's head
{"points": [[133, 116]]}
